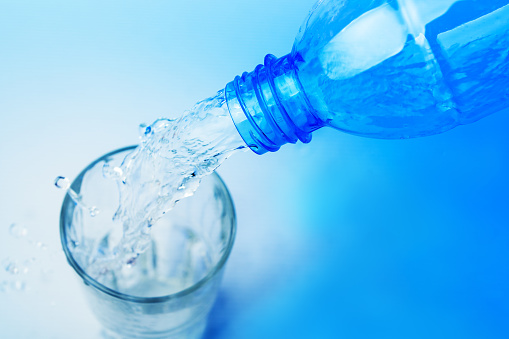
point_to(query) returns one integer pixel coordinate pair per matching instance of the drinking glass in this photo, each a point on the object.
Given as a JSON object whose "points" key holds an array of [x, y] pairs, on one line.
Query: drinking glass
{"points": [[170, 289]]}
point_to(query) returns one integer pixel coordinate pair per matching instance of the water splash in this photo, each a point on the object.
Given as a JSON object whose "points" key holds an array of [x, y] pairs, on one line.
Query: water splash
{"points": [[64, 183], [110, 172], [142, 130], [167, 166]]}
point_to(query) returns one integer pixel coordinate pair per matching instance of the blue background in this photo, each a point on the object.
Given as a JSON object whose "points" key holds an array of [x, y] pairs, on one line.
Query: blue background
{"points": [[345, 237]]}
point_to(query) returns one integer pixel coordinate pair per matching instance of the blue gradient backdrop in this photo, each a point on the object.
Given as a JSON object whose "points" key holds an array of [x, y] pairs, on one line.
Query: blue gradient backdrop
{"points": [[345, 237]]}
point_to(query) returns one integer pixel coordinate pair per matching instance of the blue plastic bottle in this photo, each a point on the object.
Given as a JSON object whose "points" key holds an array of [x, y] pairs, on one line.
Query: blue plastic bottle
{"points": [[381, 69]]}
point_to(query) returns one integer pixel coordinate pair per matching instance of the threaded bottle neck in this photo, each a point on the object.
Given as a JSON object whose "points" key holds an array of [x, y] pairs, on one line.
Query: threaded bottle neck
{"points": [[269, 107]]}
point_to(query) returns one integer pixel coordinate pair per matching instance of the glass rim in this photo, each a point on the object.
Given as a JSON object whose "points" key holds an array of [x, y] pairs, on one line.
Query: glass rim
{"points": [[88, 280]]}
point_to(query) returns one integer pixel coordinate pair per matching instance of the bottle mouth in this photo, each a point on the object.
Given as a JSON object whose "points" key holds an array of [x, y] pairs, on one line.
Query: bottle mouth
{"points": [[268, 106]]}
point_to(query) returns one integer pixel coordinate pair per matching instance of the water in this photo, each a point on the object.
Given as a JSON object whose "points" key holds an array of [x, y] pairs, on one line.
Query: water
{"points": [[22, 273], [65, 184], [62, 182], [392, 69], [398, 71], [167, 166], [384, 74]]}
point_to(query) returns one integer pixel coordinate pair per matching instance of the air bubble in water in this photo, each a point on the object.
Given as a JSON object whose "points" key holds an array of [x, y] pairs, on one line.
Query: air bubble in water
{"points": [[62, 183], [17, 230]]}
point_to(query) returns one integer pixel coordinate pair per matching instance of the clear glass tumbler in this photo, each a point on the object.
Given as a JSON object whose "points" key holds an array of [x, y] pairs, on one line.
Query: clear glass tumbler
{"points": [[170, 289]]}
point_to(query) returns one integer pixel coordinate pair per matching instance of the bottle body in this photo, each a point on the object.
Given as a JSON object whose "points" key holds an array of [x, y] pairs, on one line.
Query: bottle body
{"points": [[395, 69]]}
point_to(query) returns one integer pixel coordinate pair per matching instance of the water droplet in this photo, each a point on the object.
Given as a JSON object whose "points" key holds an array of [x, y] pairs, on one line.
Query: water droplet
{"points": [[11, 267], [160, 124], [41, 245], [18, 285], [142, 128], [107, 170], [62, 183], [26, 265], [93, 211], [131, 262], [112, 171], [17, 230], [118, 171]]}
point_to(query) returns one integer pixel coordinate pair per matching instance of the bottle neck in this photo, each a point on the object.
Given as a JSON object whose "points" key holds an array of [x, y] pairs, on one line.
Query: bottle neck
{"points": [[269, 107]]}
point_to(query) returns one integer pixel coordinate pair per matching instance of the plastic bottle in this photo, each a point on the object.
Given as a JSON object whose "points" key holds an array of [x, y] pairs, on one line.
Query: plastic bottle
{"points": [[380, 69]]}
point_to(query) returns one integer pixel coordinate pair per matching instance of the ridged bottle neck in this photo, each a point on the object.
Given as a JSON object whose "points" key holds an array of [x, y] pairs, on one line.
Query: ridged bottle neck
{"points": [[269, 107]]}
